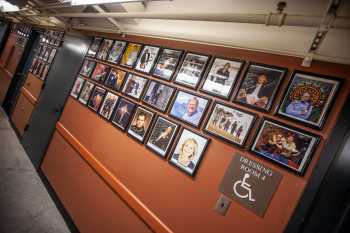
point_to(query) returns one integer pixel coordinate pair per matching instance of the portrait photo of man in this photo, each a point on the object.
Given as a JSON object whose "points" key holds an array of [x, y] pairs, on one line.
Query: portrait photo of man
{"points": [[189, 108], [140, 123]]}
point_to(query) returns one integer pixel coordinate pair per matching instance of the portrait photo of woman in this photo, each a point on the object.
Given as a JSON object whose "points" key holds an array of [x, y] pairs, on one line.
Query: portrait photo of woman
{"points": [[189, 151]]}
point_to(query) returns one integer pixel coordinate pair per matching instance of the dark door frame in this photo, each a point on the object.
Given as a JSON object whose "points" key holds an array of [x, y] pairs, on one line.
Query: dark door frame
{"points": [[20, 74], [323, 205]]}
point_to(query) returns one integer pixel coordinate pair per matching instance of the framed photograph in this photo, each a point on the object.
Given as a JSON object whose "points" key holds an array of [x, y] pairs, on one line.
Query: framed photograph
{"points": [[34, 64], [140, 123], [96, 98], [230, 123], [104, 49], [158, 95], [189, 108], [108, 105], [94, 47], [45, 71], [52, 55], [167, 63], [78, 85], [222, 76], [42, 51], [87, 68], [130, 55], [309, 98], [100, 72], [162, 136], [285, 145], [189, 151], [259, 86], [116, 51], [134, 86], [47, 53], [86, 92], [115, 79], [147, 58], [191, 70], [57, 42], [123, 113]]}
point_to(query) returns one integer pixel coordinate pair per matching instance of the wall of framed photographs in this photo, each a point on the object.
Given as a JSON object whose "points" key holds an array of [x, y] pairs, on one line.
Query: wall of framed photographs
{"points": [[143, 107]]}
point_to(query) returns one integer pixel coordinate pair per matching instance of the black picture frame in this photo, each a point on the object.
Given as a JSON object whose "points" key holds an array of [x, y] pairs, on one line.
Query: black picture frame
{"points": [[126, 83], [75, 91], [103, 52], [94, 47], [272, 98], [91, 68], [87, 93], [157, 75], [116, 61], [236, 128], [52, 55], [199, 160], [149, 103], [119, 125], [307, 86], [131, 132], [144, 47], [156, 149], [97, 76], [231, 88], [116, 86], [268, 152], [199, 77], [180, 118], [90, 104], [111, 109], [122, 63]]}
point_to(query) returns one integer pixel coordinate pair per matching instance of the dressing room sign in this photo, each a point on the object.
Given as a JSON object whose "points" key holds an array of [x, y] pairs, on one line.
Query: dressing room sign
{"points": [[250, 183]]}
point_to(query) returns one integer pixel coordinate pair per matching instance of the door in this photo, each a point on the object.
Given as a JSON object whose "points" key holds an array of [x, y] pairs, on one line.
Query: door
{"points": [[21, 73], [50, 104]]}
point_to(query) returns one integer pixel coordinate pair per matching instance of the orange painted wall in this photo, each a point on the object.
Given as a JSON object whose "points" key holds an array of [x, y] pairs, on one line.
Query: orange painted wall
{"points": [[182, 203]]}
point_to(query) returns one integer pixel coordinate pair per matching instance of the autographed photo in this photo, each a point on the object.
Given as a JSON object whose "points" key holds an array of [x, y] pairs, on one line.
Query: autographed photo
{"points": [[147, 58], [115, 79], [222, 76], [116, 51], [189, 151], [167, 63], [230, 123], [108, 105], [162, 135], [192, 69], [158, 95], [189, 108], [308, 98], [134, 86]]}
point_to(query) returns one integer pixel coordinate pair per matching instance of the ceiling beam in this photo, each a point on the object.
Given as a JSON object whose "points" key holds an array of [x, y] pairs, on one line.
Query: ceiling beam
{"points": [[111, 20], [273, 19]]}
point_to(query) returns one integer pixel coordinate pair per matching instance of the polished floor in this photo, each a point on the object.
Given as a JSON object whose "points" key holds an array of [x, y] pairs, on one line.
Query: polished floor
{"points": [[25, 205]]}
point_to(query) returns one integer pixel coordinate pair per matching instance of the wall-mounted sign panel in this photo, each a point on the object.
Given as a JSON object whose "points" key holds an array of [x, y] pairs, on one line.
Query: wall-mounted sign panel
{"points": [[250, 183]]}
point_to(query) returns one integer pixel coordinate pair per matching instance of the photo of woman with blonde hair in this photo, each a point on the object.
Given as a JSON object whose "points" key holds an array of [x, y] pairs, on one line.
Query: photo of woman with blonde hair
{"points": [[189, 151]]}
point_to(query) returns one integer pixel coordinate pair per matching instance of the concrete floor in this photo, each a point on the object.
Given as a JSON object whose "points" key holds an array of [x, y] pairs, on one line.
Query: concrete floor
{"points": [[25, 205]]}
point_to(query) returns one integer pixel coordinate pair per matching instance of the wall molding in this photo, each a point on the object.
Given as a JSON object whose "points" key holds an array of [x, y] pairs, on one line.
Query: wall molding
{"points": [[114, 183], [29, 96]]}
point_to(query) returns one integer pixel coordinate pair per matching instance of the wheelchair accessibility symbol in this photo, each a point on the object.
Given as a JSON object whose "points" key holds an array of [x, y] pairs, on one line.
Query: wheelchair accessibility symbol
{"points": [[242, 189]]}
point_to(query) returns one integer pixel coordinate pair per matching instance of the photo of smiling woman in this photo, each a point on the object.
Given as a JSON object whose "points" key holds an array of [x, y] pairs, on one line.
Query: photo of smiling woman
{"points": [[189, 151]]}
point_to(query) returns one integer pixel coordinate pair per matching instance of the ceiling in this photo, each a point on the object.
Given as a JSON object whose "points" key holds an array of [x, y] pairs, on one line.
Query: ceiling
{"points": [[211, 21]]}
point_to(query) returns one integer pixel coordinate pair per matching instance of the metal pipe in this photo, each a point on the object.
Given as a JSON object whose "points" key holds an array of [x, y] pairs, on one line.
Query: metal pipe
{"points": [[274, 18]]}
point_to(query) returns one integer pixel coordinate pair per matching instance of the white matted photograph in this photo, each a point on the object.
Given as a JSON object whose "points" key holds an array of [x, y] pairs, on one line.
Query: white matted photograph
{"points": [[192, 69], [147, 58], [189, 150], [222, 77]]}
